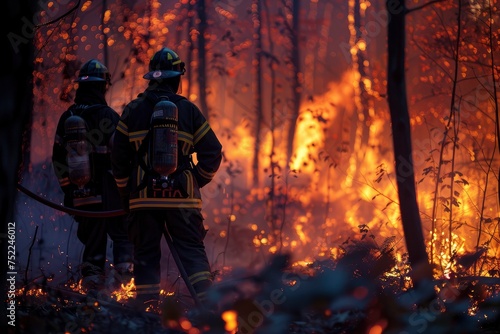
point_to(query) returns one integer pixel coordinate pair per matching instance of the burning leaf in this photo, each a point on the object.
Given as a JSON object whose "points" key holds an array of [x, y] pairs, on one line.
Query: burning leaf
{"points": [[387, 205]]}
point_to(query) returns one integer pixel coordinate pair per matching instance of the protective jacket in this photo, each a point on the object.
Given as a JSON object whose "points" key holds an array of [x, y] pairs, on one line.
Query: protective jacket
{"points": [[195, 136], [100, 120]]}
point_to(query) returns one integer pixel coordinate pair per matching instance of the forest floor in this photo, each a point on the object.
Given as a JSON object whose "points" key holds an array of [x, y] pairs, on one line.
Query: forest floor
{"points": [[320, 298]]}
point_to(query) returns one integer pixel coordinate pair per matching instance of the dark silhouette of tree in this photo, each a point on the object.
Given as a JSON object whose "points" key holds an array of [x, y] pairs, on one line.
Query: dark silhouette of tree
{"points": [[191, 48], [293, 30], [364, 102], [104, 22], [259, 103], [274, 165], [401, 134], [202, 56], [15, 116], [495, 81]]}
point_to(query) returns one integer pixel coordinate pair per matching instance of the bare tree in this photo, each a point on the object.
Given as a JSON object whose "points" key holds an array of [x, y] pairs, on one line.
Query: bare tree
{"points": [[497, 119], [273, 162], [104, 22], [294, 32], [202, 56], [259, 105], [189, 59], [15, 117], [363, 100], [401, 134]]}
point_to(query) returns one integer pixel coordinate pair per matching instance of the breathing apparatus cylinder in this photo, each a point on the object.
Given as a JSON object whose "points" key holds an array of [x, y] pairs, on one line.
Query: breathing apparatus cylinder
{"points": [[163, 149], [78, 148]]}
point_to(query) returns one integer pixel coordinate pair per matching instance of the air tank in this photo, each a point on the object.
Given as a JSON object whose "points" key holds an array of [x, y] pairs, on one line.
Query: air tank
{"points": [[78, 151], [163, 145]]}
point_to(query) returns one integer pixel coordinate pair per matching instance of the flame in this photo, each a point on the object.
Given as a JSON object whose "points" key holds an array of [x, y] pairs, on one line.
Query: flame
{"points": [[231, 319], [309, 130], [299, 230], [444, 250], [125, 292], [35, 292], [341, 179], [315, 116]]}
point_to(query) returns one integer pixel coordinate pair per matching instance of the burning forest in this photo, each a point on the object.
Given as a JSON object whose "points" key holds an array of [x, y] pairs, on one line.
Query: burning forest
{"points": [[359, 186]]}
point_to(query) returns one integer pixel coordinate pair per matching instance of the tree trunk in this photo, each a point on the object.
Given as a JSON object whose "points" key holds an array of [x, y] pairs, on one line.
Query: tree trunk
{"points": [[274, 164], [189, 57], [296, 86], [400, 121], [364, 99], [202, 57], [104, 23], [15, 121], [494, 93], [257, 24]]}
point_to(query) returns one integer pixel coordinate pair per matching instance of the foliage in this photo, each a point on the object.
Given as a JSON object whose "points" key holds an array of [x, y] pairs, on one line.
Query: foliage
{"points": [[356, 293]]}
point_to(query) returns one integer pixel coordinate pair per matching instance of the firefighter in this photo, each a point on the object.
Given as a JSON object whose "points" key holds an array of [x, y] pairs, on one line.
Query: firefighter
{"points": [[81, 160], [169, 201]]}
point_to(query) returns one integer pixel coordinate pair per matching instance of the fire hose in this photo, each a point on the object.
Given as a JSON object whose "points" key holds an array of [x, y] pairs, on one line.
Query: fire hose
{"points": [[71, 211], [114, 213]]}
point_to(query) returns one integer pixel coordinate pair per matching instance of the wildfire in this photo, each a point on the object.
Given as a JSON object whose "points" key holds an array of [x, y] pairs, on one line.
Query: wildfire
{"points": [[231, 319], [300, 231], [125, 292], [444, 249], [36, 292]]}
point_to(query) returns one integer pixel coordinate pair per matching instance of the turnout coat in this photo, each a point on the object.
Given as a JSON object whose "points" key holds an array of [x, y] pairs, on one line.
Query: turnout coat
{"points": [[195, 136], [101, 121]]}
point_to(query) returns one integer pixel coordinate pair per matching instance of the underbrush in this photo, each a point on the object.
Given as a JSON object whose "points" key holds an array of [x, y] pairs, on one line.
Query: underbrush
{"points": [[365, 290]]}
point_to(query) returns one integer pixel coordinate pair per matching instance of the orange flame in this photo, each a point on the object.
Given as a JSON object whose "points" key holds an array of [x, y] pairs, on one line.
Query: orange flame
{"points": [[125, 292], [231, 319]]}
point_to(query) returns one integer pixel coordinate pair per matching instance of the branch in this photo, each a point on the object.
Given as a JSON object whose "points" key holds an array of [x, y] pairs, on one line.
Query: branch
{"points": [[409, 10], [60, 17]]}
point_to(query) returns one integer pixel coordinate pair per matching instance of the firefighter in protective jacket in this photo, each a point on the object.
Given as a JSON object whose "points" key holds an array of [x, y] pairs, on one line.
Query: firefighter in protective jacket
{"points": [[81, 160], [172, 200]]}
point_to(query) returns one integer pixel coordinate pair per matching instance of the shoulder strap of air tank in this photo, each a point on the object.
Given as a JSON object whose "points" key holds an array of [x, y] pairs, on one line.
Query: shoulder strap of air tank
{"points": [[153, 99], [141, 151], [140, 161]]}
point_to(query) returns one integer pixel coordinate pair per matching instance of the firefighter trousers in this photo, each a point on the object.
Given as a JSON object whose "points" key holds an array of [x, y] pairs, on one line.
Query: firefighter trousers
{"points": [[186, 228], [93, 233]]}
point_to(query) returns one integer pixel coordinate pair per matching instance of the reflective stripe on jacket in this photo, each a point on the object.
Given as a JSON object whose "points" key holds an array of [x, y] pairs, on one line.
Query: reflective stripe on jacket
{"points": [[195, 136]]}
